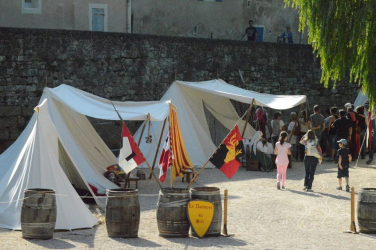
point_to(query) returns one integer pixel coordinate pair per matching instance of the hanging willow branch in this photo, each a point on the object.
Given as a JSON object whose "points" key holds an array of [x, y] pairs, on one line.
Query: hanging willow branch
{"points": [[343, 34]]}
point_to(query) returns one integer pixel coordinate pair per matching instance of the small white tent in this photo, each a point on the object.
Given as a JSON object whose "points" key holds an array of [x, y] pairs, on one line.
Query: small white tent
{"points": [[58, 147], [360, 99], [206, 112]]}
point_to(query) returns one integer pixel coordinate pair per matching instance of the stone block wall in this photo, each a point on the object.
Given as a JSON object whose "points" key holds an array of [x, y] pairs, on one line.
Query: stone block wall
{"points": [[129, 67]]}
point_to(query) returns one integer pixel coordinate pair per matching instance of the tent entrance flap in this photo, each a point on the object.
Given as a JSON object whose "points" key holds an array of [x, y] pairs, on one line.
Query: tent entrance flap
{"points": [[69, 169], [217, 130]]}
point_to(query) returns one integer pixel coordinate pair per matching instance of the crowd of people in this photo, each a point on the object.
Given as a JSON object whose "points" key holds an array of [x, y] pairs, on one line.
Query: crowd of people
{"points": [[341, 134]]}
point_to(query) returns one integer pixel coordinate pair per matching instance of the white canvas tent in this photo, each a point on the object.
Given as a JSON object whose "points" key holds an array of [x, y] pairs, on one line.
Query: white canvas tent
{"points": [[205, 106], [58, 147], [360, 99]]}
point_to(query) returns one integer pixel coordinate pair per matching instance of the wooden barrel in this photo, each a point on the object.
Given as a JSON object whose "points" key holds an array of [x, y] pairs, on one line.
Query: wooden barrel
{"points": [[366, 211], [38, 213], [172, 217], [122, 213], [211, 194]]}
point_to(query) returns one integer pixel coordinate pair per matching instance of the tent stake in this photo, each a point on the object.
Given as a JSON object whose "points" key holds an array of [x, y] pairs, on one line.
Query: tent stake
{"points": [[159, 144], [248, 115]]}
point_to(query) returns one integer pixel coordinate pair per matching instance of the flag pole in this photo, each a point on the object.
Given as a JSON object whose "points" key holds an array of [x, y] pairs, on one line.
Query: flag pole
{"points": [[159, 144], [206, 163], [248, 115], [139, 141]]}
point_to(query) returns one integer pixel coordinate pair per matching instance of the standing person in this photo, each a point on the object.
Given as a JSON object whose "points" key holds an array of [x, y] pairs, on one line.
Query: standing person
{"points": [[354, 140], [287, 35], [277, 125], [332, 133], [343, 164], [305, 125], [292, 131], [343, 128], [362, 126], [317, 121], [259, 120], [373, 141], [311, 160], [282, 150], [250, 32]]}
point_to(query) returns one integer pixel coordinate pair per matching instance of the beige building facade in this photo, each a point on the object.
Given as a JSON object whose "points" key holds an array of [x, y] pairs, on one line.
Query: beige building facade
{"points": [[94, 15], [217, 19]]}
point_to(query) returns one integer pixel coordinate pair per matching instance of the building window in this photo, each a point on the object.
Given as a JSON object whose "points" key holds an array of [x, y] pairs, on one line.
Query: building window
{"points": [[249, 3], [98, 17], [31, 7]]}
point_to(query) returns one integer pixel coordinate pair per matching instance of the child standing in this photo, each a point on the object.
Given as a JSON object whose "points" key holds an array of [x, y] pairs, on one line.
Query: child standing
{"points": [[282, 150], [344, 160]]}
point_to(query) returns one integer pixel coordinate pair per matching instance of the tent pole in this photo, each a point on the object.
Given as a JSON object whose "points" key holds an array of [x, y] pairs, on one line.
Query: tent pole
{"points": [[146, 161], [293, 129], [248, 115], [159, 144], [151, 171]]}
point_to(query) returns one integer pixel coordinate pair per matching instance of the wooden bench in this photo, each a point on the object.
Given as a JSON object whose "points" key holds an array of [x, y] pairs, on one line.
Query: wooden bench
{"points": [[188, 175], [133, 179]]}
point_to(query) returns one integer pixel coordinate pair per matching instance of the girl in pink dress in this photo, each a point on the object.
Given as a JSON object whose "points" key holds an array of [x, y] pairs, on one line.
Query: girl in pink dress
{"points": [[282, 150]]}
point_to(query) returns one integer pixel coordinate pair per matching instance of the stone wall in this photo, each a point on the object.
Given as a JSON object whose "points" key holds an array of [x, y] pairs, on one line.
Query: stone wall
{"points": [[141, 67]]}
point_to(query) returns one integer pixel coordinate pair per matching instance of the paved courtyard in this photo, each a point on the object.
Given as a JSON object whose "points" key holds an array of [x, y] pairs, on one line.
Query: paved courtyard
{"points": [[259, 215]]}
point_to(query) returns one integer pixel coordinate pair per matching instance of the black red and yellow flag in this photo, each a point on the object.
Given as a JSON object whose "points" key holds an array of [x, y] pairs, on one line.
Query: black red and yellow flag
{"points": [[227, 157]]}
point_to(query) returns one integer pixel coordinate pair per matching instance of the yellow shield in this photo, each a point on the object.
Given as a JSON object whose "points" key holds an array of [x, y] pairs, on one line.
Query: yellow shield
{"points": [[200, 214]]}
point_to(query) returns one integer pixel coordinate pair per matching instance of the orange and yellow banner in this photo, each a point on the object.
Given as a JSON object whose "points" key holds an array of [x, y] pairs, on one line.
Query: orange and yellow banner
{"points": [[180, 158]]}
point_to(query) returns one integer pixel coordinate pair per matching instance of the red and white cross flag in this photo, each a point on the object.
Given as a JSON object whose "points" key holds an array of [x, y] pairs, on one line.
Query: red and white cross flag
{"points": [[165, 160], [130, 155]]}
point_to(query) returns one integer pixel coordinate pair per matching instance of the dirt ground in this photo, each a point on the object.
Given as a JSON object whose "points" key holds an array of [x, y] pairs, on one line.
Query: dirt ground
{"points": [[259, 216]]}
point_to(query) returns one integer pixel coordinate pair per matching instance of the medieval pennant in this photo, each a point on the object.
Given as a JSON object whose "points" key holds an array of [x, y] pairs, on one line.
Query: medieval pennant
{"points": [[227, 157], [130, 155]]}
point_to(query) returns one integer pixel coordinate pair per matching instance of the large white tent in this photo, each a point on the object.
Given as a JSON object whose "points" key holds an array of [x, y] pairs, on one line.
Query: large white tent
{"points": [[205, 112], [58, 148]]}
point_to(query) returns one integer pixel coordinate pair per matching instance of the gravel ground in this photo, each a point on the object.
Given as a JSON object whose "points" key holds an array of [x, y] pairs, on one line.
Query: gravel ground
{"points": [[259, 215]]}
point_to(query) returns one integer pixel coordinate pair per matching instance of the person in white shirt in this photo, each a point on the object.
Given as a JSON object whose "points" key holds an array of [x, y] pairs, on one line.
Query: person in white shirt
{"points": [[276, 127], [294, 123], [261, 151]]}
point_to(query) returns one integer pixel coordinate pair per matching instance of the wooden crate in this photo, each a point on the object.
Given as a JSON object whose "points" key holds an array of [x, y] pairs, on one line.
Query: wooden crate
{"points": [[252, 165]]}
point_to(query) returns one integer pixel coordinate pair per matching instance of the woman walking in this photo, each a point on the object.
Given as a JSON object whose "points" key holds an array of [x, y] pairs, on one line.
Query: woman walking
{"points": [[311, 159], [282, 150]]}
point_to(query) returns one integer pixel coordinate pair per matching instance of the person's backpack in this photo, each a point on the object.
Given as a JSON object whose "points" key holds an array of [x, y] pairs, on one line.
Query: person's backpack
{"points": [[276, 128], [297, 129]]}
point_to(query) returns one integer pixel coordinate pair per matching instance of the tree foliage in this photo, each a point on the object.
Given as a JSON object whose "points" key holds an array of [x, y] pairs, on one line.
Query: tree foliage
{"points": [[343, 33]]}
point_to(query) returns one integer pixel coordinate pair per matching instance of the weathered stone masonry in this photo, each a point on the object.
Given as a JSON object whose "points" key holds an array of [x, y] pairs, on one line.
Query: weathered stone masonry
{"points": [[141, 67]]}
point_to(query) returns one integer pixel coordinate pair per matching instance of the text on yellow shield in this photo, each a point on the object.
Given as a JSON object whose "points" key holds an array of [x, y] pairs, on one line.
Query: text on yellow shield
{"points": [[200, 214]]}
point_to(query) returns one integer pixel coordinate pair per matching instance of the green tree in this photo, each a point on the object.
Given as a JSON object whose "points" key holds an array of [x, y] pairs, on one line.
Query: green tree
{"points": [[343, 33]]}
